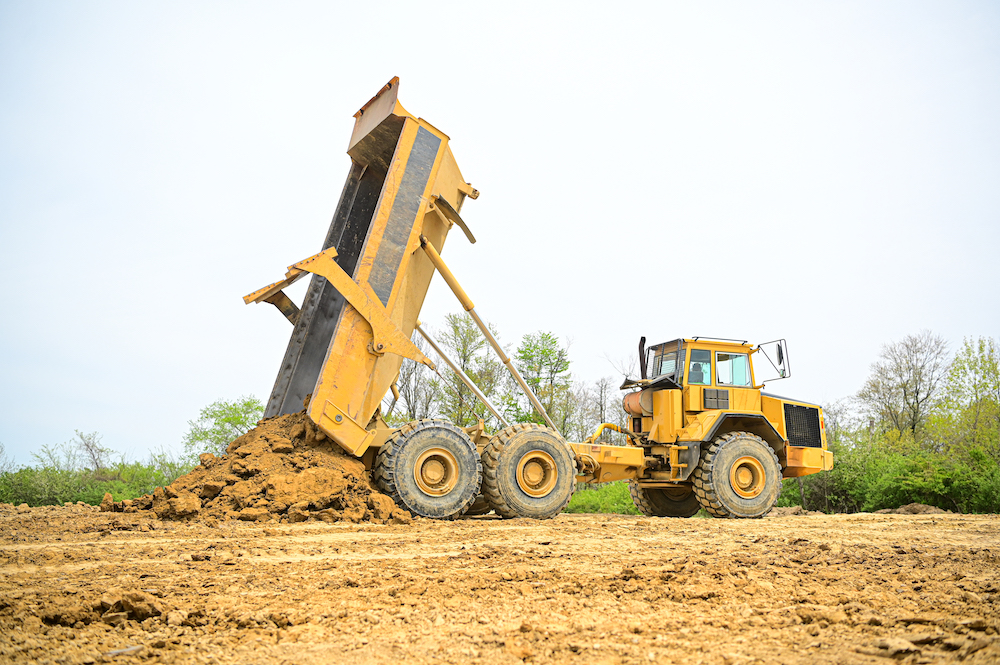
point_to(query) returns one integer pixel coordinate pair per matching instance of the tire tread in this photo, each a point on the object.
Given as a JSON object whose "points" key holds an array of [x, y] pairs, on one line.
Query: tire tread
{"points": [[704, 474], [491, 466]]}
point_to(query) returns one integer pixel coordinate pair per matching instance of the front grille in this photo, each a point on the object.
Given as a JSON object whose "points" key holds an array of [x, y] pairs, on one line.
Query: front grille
{"points": [[802, 426]]}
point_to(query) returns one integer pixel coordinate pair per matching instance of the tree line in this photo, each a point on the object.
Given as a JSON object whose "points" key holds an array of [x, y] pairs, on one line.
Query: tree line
{"points": [[83, 470], [923, 428]]}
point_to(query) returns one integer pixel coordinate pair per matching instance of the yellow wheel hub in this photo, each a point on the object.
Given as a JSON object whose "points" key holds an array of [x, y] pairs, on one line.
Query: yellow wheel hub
{"points": [[747, 477], [536, 473], [436, 471]]}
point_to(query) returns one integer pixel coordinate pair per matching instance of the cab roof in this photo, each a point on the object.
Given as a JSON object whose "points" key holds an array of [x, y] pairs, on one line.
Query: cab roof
{"points": [[708, 341]]}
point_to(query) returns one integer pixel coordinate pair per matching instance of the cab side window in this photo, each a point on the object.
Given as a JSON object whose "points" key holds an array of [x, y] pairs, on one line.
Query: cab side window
{"points": [[700, 370], [733, 369]]}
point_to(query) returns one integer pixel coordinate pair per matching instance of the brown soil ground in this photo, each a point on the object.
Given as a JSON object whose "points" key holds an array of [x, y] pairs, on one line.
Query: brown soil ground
{"points": [[82, 586]]}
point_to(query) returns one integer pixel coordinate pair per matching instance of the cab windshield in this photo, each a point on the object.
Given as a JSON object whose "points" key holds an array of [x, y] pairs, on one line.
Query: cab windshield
{"points": [[700, 371]]}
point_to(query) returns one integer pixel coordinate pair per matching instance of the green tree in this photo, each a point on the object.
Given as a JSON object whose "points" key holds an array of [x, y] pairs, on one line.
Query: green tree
{"points": [[969, 413], [544, 364], [906, 382], [219, 423], [468, 349]]}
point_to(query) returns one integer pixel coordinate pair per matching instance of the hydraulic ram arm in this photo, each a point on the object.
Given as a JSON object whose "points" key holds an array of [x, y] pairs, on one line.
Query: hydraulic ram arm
{"points": [[463, 298], [461, 375]]}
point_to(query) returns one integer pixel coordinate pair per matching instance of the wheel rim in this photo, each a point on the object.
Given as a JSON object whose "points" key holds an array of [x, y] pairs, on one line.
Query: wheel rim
{"points": [[747, 477], [436, 471], [536, 473]]}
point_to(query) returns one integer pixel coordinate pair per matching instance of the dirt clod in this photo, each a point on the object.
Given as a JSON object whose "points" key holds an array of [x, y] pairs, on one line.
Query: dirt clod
{"points": [[791, 510]]}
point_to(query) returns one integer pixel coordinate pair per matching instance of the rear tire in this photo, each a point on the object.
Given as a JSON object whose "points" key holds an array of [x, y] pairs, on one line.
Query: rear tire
{"points": [[738, 476], [429, 467], [664, 502], [528, 471], [480, 506]]}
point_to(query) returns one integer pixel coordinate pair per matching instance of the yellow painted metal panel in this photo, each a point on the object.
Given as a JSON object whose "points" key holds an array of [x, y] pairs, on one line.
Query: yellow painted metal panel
{"points": [[666, 415], [773, 411], [744, 399], [697, 426], [802, 461], [692, 398], [607, 463]]}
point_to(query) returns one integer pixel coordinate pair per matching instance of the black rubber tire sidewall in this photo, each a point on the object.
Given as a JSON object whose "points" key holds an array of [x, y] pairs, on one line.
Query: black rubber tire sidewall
{"points": [[480, 506], [733, 503], [516, 502], [411, 445], [659, 503]]}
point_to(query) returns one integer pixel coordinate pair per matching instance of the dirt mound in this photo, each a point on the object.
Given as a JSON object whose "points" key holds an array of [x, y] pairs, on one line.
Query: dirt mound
{"points": [[912, 509], [284, 469], [791, 510]]}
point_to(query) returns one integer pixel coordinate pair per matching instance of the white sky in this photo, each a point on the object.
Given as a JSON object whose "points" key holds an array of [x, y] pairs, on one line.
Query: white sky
{"points": [[824, 172]]}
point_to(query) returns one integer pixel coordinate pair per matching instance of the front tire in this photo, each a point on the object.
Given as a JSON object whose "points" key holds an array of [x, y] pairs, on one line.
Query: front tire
{"points": [[528, 471], [677, 501], [738, 476], [431, 468]]}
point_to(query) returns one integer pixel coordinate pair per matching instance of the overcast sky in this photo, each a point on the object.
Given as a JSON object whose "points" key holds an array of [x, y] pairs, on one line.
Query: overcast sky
{"points": [[824, 172]]}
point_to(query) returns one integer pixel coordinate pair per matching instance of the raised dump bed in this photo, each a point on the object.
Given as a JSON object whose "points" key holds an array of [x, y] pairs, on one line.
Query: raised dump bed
{"points": [[404, 183]]}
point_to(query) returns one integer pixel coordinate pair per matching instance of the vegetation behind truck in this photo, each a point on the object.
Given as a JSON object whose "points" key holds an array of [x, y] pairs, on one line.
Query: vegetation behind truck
{"points": [[702, 432]]}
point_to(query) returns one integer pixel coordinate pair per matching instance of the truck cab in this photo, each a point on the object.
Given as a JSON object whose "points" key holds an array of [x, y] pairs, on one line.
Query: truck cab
{"points": [[700, 395]]}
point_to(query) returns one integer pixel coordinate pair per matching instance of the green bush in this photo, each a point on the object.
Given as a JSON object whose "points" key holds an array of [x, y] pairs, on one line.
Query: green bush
{"points": [[51, 483], [878, 473]]}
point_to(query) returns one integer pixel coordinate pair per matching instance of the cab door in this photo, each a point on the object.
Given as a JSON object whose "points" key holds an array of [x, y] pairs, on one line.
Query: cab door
{"points": [[698, 374]]}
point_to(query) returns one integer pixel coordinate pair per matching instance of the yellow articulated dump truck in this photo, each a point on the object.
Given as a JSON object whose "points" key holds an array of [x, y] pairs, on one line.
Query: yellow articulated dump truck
{"points": [[702, 433]]}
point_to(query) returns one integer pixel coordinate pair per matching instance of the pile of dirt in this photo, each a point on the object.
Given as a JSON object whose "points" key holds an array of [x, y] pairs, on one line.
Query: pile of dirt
{"points": [[913, 509], [285, 469], [908, 509], [791, 510]]}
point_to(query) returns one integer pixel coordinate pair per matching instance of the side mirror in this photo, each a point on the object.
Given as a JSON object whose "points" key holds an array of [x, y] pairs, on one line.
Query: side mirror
{"points": [[774, 357]]}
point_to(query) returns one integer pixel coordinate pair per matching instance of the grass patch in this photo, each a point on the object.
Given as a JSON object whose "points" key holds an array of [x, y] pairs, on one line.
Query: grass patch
{"points": [[604, 498]]}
